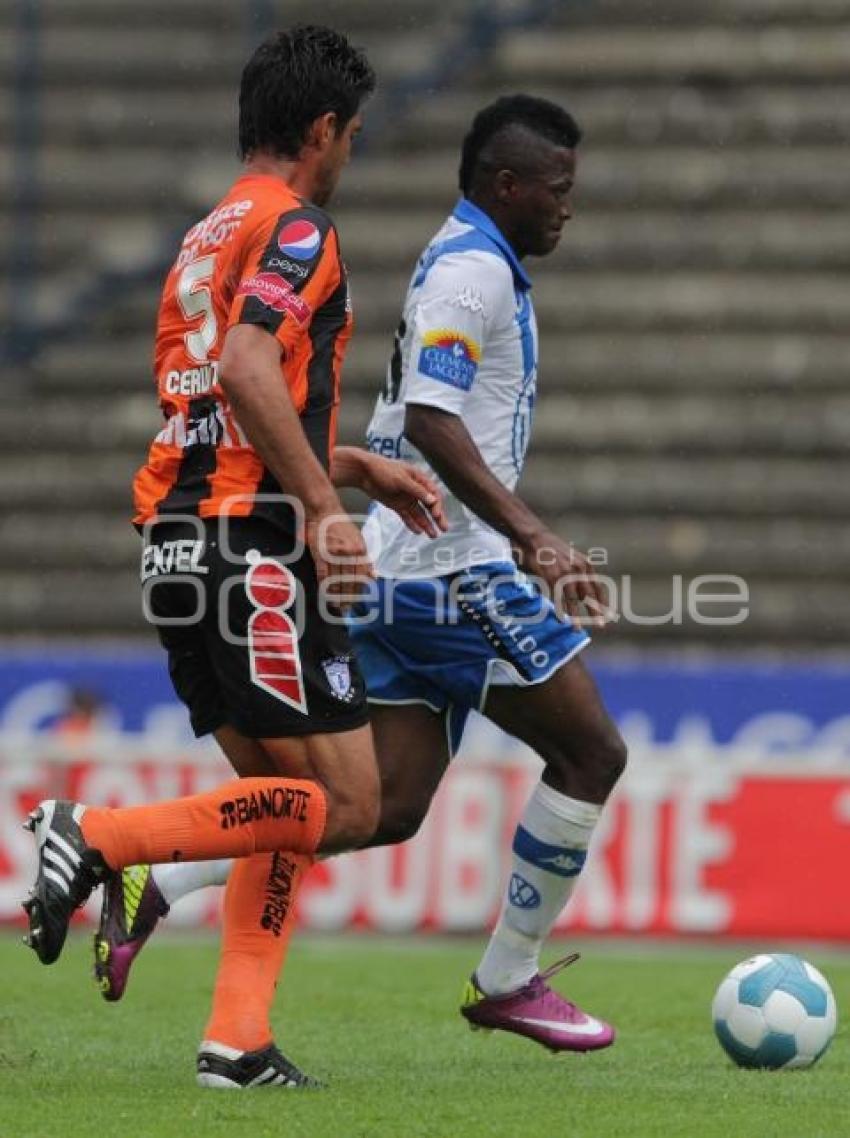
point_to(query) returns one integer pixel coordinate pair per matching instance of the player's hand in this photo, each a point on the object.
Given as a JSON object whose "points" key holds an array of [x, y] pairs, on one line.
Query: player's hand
{"points": [[573, 584], [412, 494], [339, 553]]}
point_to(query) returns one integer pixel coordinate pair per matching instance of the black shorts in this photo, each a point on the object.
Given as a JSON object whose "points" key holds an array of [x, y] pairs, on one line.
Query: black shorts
{"points": [[239, 618]]}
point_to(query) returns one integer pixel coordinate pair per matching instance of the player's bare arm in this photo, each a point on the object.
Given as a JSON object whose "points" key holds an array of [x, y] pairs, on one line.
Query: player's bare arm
{"points": [[250, 377], [446, 443], [414, 496]]}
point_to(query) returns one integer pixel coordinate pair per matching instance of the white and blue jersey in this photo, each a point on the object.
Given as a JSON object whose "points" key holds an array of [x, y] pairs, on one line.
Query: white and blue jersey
{"points": [[467, 343], [454, 615]]}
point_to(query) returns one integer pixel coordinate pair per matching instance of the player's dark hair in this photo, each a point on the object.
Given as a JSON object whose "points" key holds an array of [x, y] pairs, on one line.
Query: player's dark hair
{"points": [[540, 116], [292, 79]]}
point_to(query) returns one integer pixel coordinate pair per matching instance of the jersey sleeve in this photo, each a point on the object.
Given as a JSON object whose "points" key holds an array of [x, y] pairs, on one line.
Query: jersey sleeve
{"points": [[461, 299], [289, 269]]}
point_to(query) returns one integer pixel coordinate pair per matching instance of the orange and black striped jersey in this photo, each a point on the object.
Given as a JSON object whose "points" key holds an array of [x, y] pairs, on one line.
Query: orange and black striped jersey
{"points": [[262, 256]]}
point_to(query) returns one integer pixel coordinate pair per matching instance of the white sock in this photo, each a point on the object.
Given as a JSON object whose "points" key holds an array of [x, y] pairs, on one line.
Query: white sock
{"points": [[176, 880], [549, 851]]}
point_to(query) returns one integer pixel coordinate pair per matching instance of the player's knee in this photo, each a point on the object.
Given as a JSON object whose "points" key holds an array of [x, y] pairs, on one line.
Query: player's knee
{"points": [[399, 822], [351, 823], [606, 758], [365, 815], [597, 758], [612, 758]]}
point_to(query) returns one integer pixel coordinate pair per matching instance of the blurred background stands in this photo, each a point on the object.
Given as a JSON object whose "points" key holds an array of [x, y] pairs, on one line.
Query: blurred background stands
{"points": [[693, 413]]}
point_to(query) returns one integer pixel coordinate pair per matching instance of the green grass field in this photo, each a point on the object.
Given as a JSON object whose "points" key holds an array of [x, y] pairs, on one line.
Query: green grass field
{"points": [[378, 1019]]}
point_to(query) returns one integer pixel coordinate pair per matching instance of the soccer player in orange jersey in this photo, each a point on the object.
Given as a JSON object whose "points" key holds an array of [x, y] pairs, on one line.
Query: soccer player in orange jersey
{"points": [[244, 537], [458, 624]]}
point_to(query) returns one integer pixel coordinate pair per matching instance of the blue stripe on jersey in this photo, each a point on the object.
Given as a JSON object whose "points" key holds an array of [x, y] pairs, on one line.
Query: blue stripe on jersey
{"points": [[559, 860], [467, 212], [463, 243], [524, 410], [523, 318], [484, 235]]}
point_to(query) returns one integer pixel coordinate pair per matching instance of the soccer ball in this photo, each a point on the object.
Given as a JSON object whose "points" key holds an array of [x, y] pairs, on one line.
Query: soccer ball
{"points": [[774, 1011]]}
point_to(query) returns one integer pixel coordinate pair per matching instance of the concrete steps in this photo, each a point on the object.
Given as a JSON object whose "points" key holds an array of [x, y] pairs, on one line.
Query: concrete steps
{"points": [[794, 366], [707, 53], [678, 179], [619, 114], [223, 15], [793, 241], [711, 302], [611, 483], [107, 603], [693, 411], [756, 546], [663, 14], [665, 113], [182, 59], [700, 486], [586, 422]]}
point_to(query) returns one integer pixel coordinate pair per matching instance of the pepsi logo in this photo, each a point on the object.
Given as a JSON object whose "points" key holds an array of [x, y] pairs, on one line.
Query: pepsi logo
{"points": [[299, 239]]}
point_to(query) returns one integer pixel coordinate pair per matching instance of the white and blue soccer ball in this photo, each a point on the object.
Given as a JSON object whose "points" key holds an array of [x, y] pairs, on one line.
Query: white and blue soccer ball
{"points": [[774, 1011]]}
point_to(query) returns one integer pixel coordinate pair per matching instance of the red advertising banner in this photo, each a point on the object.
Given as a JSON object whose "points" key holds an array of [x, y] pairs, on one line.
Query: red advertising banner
{"points": [[686, 847]]}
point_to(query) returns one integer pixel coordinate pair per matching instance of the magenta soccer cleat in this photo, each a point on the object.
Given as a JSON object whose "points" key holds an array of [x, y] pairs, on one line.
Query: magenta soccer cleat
{"points": [[132, 907], [538, 1012]]}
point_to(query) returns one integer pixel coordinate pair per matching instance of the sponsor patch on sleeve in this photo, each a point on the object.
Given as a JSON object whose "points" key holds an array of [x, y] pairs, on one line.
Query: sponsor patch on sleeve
{"points": [[277, 294], [299, 239], [450, 357]]}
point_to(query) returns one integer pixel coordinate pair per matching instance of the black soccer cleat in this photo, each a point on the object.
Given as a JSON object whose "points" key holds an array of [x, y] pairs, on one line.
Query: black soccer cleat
{"points": [[225, 1068], [68, 870]]}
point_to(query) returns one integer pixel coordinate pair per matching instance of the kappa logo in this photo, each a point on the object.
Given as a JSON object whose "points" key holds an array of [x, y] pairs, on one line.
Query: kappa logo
{"points": [[470, 298], [299, 239], [563, 861], [559, 860], [522, 893], [280, 802]]}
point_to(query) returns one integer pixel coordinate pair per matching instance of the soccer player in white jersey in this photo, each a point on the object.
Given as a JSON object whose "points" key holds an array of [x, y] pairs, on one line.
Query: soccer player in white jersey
{"points": [[459, 626], [459, 622]]}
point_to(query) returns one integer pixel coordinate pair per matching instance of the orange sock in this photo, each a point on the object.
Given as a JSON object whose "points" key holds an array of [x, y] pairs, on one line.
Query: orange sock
{"points": [[240, 818], [259, 907]]}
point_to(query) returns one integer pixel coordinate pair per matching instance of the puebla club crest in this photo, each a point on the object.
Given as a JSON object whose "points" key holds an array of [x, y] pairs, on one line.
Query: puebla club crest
{"points": [[338, 673]]}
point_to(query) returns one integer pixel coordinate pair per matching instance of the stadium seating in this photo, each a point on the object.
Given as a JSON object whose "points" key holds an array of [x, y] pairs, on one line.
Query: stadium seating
{"points": [[693, 413]]}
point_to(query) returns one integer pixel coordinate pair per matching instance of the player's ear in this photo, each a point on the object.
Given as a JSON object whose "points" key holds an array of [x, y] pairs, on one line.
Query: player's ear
{"points": [[323, 130], [506, 185]]}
